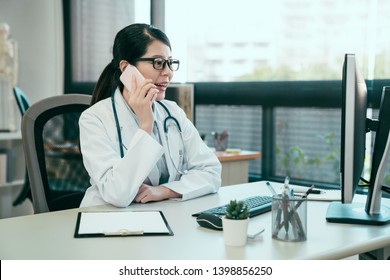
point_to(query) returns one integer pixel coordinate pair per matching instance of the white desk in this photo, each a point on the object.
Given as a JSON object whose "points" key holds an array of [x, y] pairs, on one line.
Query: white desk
{"points": [[50, 235]]}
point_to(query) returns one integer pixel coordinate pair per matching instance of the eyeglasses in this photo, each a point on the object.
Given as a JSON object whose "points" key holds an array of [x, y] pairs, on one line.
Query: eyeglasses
{"points": [[159, 63]]}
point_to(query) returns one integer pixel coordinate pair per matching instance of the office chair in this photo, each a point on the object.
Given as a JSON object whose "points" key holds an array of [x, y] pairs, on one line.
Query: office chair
{"points": [[50, 135], [21, 100], [23, 104]]}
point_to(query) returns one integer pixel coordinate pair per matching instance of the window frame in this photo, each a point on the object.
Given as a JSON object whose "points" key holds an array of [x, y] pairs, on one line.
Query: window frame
{"points": [[269, 94], [327, 94], [87, 87]]}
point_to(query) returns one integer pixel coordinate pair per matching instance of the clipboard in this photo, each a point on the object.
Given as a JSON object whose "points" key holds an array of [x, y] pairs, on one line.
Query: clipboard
{"points": [[121, 223]]}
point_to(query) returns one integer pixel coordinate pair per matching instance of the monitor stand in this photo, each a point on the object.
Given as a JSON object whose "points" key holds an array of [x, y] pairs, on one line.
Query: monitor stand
{"points": [[372, 212], [355, 213]]}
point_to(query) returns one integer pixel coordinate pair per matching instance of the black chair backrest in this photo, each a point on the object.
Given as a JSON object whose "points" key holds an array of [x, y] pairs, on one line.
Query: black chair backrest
{"points": [[23, 104], [50, 134]]}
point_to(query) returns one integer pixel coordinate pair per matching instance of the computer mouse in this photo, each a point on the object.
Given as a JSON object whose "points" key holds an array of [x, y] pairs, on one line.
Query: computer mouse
{"points": [[210, 221]]}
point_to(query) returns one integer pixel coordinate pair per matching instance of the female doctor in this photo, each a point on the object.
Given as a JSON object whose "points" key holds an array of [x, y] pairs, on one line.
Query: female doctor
{"points": [[136, 146]]}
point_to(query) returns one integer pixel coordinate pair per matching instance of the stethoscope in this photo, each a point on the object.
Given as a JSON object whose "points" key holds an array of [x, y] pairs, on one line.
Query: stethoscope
{"points": [[168, 121]]}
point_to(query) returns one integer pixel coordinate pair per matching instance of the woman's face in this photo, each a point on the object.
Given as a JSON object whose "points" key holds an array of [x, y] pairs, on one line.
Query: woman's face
{"points": [[160, 78]]}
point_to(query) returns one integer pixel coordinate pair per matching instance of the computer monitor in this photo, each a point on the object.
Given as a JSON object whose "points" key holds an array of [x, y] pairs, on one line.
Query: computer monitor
{"points": [[354, 127]]}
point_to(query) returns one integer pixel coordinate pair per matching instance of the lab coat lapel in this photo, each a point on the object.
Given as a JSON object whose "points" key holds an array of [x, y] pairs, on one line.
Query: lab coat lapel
{"points": [[174, 145], [170, 167], [154, 175], [126, 122], [128, 126]]}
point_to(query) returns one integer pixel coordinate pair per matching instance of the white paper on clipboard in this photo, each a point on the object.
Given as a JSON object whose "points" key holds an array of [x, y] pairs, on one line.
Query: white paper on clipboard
{"points": [[113, 223]]}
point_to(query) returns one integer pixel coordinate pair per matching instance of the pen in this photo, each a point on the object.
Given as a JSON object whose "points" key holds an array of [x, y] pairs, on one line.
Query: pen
{"points": [[124, 233], [296, 216], [304, 196], [300, 190], [285, 202], [278, 220], [271, 188], [286, 181], [313, 191]]}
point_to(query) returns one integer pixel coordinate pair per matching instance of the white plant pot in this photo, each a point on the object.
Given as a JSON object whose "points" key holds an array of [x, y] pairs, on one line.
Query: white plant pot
{"points": [[235, 231]]}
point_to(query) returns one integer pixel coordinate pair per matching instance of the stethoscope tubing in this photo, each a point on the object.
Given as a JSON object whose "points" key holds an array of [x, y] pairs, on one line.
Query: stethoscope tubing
{"points": [[118, 129], [168, 118]]}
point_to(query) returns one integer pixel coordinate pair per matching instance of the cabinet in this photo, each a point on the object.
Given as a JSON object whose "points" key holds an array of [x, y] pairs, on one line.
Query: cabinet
{"points": [[235, 166], [12, 142]]}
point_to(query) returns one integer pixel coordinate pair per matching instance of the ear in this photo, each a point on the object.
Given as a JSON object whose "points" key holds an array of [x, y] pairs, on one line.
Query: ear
{"points": [[122, 65]]}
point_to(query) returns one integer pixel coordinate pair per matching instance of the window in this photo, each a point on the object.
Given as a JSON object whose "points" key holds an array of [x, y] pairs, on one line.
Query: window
{"points": [[293, 43], [308, 143], [242, 44], [93, 25], [281, 40], [236, 123], [298, 39]]}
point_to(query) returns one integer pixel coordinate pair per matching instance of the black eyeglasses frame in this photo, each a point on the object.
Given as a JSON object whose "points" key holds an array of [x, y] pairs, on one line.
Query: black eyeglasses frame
{"points": [[168, 62]]}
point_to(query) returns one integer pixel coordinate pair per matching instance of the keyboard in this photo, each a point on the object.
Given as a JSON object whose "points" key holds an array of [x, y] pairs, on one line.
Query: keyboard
{"points": [[256, 204]]}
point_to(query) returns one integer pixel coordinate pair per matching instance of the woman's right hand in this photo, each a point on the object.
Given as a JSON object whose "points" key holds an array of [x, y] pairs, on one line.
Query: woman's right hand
{"points": [[148, 193], [141, 100]]}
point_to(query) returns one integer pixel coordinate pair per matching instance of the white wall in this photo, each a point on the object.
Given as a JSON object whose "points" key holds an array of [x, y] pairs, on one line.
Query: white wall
{"points": [[37, 27]]}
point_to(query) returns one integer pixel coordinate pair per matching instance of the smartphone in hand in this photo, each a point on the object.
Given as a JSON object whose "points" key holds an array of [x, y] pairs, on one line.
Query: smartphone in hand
{"points": [[127, 76]]}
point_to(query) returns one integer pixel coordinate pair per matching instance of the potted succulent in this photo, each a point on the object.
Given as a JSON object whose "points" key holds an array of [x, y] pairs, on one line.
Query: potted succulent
{"points": [[235, 223]]}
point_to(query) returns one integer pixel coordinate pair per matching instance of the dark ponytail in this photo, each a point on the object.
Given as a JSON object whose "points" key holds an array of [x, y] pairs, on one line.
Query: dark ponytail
{"points": [[106, 84], [130, 44]]}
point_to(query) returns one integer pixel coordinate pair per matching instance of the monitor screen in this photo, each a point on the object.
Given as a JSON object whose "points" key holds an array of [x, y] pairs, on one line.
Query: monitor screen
{"points": [[354, 127]]}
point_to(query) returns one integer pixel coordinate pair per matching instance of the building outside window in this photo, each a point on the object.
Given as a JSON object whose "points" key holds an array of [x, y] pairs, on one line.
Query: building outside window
{"points": [[260, 40]]}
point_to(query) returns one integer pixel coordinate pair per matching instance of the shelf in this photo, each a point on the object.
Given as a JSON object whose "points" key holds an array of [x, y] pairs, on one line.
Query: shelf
{"points": [[16, 135], [12, 184]]}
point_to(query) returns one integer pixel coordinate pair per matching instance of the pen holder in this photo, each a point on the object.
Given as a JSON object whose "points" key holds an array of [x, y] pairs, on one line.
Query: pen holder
{"points": [[289, 218], [220, 140]]}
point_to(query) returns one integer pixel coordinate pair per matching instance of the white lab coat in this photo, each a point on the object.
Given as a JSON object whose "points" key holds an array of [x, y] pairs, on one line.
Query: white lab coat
{"points": [[116, 180]]}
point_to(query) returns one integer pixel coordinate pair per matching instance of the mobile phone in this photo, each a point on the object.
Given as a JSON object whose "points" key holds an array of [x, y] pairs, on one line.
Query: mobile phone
{"points": [[127, 76]]}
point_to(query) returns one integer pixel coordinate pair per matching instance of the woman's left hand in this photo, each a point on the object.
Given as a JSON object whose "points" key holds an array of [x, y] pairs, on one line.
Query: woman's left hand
{"points": [[148, 193]]}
